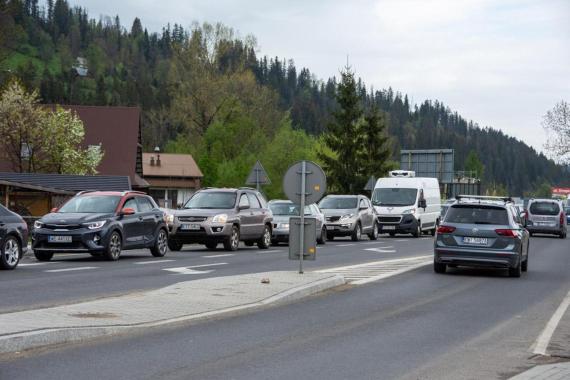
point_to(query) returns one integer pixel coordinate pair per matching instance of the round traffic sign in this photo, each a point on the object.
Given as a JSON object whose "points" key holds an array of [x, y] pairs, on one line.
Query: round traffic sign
{"points": [[315, 182]]}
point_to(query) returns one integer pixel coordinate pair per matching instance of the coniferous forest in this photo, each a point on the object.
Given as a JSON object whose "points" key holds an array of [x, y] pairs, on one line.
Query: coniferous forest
{"points": [[206, 90]]}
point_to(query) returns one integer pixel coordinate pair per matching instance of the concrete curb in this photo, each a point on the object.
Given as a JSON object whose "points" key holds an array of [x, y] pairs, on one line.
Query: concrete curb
{"points": [[46, 337]]}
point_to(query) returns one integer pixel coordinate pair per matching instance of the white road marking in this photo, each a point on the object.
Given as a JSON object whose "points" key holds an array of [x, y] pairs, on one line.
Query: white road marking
{"points": [[402, 240], [270, 251], [207, 265], [541, 345], [153, 262], [69, 269], [382, 250], [33, 264], [185, 270], [214, 256], [344, 245]]}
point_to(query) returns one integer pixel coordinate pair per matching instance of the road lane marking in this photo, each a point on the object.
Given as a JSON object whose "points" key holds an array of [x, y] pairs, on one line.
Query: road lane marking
{"points": [[382, 250], [402, 240], [361, 274], [186, 270], [346, 245], [270, 251], [214, 256], [69, 269], [153, 262], [541, 345], [206, 265]]}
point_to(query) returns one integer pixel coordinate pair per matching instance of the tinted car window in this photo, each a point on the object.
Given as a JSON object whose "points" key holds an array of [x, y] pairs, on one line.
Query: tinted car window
{"points": [[131, 203], [253, 201], [4, 211], [212, 199], [91, 204], [338, 203], [394, 197], [476, 214], [145, 204], [544, 208]]}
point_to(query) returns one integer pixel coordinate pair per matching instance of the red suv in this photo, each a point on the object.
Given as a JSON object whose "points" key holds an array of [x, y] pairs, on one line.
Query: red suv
{"points": [[102, 224]]}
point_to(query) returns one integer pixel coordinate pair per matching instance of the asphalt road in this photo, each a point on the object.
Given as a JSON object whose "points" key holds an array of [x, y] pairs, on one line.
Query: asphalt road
{"points": [[467, 324], [77, 277]]}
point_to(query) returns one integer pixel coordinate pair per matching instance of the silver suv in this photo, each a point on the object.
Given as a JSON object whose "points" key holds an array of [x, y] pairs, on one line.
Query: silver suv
{"points": [[349, 215], [226, 216], [482, 232], [546, 216]]}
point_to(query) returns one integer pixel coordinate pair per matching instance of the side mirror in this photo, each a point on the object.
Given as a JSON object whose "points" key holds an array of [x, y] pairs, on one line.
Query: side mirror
{"points": [[363, 208], [127, 211], [243, 207], [54, 209], [422, 203]]}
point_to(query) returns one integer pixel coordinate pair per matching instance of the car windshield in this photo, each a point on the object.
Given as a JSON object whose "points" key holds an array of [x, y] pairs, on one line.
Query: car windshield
{"points": [[394, 197], [287, 209], [213, 200], [544, 208], [476, 214], [339, 203], [95, 204]]}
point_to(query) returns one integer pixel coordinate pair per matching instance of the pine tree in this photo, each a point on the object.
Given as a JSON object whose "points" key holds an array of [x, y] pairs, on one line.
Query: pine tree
{"points": [[376, 153], [341, 138]]}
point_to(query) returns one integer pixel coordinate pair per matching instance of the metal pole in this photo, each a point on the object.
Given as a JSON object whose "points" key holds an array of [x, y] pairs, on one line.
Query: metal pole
{"points": [[302, 213], [257, 179]]}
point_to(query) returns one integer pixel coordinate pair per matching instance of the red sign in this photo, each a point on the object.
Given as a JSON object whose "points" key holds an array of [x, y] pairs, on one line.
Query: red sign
{"points": [[561, 190]]}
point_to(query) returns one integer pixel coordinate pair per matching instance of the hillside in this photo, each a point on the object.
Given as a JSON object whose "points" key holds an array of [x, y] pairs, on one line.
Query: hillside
{"points": [[195, 86]]}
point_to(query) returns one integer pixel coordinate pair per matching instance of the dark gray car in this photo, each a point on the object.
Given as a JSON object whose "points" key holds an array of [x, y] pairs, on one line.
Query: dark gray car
{"points": [[482, 232], [349, 215], [226, 216], [283, 210]]}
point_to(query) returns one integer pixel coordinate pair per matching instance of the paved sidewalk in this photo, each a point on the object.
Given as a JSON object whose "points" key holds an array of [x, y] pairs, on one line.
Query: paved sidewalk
{"points": [[559, 371], [184, 301]]}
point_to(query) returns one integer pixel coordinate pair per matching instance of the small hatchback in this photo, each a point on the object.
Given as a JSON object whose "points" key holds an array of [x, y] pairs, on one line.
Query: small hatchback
{"points": [[546, 216], [102, 223], [482, 232], [283, 210], [13, 238]]}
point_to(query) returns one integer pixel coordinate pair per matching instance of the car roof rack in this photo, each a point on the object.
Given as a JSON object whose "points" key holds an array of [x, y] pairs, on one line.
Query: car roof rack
{"points": [[247, 188], [484, 198], [85, 192]]}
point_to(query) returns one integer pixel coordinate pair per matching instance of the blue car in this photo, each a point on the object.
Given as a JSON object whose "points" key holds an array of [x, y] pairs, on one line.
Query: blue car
{"points": [[567, 211]]}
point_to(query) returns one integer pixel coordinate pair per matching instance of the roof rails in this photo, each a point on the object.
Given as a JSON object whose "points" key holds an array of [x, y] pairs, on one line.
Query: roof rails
{"points": [[247, 188], [85, 192], [484, 198]]}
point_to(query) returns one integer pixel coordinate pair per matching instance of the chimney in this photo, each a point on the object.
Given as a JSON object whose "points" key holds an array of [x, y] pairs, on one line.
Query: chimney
{"points": [[151, 160], [157, 151], [158, 160]]}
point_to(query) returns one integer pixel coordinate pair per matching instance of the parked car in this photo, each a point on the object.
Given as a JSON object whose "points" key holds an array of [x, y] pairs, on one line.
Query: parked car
{"points": [[567, 212], [228, 216], [13, 238], [349, 215], [546, 216], [102, 224], [283, 210], [482, 232]]}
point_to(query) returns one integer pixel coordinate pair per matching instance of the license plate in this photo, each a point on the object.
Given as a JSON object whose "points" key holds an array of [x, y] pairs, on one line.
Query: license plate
{"points": [[388, 227], [59, 239], [475, 240], [330, 228], [191, 227]]}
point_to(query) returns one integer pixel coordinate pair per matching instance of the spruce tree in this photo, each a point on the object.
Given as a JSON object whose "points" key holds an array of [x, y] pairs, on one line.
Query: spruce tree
{"points": [[375, 153]]}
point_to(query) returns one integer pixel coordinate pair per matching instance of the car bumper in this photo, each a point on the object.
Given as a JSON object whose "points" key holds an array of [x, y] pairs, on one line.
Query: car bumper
{"points": [[207, 233], [407, 225], [82, 241], [545, 229], [340, 229], [280, 234], [476, 258]]}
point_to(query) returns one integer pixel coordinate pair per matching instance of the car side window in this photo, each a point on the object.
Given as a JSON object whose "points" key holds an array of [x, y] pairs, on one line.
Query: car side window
{"points": [[144, 204], [243, 201], [253, 202], [362, 203], [131, 203], [261, 200]]}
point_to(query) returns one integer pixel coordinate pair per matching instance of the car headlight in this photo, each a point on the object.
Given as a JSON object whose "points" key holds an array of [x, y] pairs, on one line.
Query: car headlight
{"points": [[220, 218], [38, 224], [284, 225], [95, 225], [169, 218], [409, 211], [346, 217]]}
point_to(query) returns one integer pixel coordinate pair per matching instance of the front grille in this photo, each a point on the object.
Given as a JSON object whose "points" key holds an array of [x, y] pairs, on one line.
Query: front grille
{"points": [[333, 218], [192, 218], [389, 219], [62, 226]]}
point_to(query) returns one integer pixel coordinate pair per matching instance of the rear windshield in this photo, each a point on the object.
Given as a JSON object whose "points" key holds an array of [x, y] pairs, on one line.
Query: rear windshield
{"points": [[544, 208], [338, 203], [476, 214]]}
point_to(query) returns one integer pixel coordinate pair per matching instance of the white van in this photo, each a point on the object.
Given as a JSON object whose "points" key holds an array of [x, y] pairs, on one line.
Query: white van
{"points": [[406, 204]]}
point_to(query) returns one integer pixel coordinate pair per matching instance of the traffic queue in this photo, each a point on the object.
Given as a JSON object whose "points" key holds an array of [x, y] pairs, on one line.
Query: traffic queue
{"points": [[469, 230]]}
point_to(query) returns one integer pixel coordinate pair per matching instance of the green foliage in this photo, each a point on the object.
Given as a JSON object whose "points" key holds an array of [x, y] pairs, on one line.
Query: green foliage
{"points": [[474, 165], [544, 190]]}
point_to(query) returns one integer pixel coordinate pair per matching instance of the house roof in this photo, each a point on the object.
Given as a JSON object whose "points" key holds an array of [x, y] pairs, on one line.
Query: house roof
{"points": [[171, 165], [64, 183]]}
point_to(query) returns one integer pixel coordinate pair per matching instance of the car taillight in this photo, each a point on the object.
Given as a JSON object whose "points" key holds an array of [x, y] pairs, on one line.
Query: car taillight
{"points": [[445, 229], [507, 233], [561, 218]]}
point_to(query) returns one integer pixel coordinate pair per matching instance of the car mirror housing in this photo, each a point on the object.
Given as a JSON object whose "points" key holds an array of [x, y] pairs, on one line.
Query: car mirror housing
{"points": [[54, 209], [127, 211], [422, 203]]}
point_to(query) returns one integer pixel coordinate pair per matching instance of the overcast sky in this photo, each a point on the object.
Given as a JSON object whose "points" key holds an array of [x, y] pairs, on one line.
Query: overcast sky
{"points": [[500, 63]]}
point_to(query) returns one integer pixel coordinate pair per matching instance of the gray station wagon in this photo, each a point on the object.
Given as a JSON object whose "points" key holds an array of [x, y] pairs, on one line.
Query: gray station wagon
{"points": [[482, 232]]}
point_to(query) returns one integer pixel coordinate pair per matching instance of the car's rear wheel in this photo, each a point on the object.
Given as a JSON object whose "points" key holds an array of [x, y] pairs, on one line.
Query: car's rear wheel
{"points": [[516, 271], [43, 256], [357, 233], [439, 267], [114, 246], [323, 236], [374, 234], [330, 237], [174, 245], [211, 245], [562, 235], [10, 253], [265, 240], [160, 246], [232, 242]]}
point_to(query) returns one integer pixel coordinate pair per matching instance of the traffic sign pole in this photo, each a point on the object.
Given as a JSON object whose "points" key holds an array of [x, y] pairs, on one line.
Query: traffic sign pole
{"points": [[302, 214]]}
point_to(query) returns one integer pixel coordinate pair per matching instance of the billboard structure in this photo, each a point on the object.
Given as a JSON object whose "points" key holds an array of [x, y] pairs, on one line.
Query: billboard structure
{"points": [[431, 163]]}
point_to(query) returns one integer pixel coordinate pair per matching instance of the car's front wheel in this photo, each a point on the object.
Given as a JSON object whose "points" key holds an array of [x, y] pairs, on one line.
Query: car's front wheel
{"points": [[439, 267], [10, 253], [265, 240], [174, 245], [43, 256], [418, 231], [323, 236], [211, 245], [357, 233], [232, 242], [160, 246], [374, 234], [114, 247]]}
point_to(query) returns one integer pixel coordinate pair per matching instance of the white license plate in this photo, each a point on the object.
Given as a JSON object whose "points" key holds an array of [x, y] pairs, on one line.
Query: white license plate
{"points": [[388, 227], [475, 240], [330, 228], [190, 227], [59, 239], [546, 224]]}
